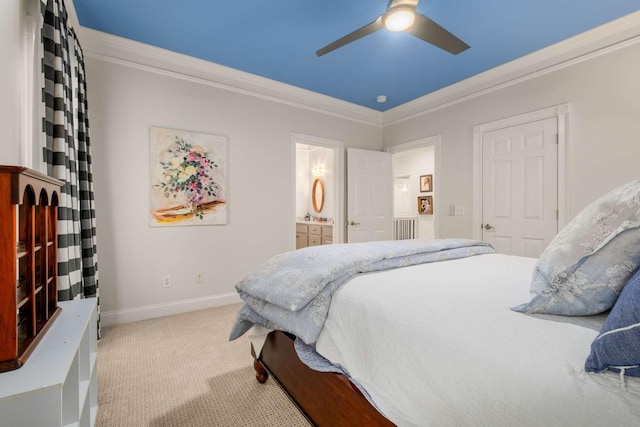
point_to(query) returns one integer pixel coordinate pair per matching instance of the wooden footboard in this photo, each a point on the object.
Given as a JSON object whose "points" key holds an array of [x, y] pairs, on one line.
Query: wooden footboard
{"points": [[327, 399]]}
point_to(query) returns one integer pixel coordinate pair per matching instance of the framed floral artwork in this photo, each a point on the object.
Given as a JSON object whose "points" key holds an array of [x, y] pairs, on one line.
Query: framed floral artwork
{"points": [[188, 178]]}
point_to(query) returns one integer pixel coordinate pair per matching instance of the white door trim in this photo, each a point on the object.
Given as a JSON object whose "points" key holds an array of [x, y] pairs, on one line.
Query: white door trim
{"points": [[338, 158], [561, 112], [436, 142]]}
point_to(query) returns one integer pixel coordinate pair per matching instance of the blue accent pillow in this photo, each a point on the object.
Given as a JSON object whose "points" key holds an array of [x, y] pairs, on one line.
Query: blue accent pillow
{"points": [[618, 345], [585, 267]]}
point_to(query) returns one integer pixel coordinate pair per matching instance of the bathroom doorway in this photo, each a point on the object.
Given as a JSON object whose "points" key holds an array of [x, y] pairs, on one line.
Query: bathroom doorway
{"points": [[318, 184]]}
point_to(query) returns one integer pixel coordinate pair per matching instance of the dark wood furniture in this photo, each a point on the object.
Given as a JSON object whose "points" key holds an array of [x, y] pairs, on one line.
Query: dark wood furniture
{"points": [[28, 261], [327, 399]]}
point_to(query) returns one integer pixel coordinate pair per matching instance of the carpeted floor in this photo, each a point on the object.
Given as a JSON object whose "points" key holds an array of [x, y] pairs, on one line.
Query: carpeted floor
{"points": [[182, 371]]}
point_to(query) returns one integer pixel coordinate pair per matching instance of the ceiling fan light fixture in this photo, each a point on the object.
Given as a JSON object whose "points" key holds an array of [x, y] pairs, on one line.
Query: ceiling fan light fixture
{"points": [[399, 19]]}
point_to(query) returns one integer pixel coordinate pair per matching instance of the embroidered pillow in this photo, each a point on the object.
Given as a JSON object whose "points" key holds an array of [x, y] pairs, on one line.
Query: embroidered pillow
{"points": [[618, 345], [585, 267]]}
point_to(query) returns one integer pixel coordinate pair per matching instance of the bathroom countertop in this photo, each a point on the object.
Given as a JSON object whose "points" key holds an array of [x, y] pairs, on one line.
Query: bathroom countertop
{"points": [[313, 222]]}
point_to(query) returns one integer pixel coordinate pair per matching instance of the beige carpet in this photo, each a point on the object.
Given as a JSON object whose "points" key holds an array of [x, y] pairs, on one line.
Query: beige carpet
{"points": [[182, 371]]}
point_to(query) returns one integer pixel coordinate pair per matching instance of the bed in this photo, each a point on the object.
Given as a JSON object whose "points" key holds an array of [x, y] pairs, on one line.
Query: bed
{"points": [[459, 339]]}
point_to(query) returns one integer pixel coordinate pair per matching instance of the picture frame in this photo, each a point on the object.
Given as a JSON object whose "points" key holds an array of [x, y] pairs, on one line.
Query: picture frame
{"points": [[425, 205], [426, 183], [188, 181]]}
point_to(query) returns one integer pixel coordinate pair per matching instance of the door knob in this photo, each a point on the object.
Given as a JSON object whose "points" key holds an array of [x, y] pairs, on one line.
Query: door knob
{"points": [[353, 223], [489, 227]]}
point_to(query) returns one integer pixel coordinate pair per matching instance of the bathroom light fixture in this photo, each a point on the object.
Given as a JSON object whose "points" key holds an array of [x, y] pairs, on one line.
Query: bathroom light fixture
{"points": [[399, 18], [317, 171]]}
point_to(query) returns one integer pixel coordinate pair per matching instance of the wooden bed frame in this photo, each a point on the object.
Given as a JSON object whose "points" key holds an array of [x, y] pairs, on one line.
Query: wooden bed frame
{"points": [[325, 398]]}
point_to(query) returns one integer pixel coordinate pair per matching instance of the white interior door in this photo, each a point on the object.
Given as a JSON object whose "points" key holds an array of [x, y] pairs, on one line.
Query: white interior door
{"points": [[369, 195], [520, 187]]}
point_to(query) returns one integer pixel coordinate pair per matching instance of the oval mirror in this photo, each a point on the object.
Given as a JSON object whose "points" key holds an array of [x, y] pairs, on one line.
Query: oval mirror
{"points": [[317, 195]]}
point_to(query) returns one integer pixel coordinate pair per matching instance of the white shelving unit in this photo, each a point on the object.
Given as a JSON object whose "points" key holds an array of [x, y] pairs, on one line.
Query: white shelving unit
{"points": [[58, 385]]}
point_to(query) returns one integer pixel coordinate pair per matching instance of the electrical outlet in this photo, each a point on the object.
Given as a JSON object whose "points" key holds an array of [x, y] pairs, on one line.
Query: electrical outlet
{"points": [[199, 279], [166, 281]]}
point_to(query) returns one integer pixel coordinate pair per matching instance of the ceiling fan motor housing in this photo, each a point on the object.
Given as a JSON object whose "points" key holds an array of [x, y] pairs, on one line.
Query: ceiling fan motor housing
{"points": [[399, 18]]}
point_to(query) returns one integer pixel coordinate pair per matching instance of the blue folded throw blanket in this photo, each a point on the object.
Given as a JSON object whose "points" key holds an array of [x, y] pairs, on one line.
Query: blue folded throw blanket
{"points": [[292, 291]]}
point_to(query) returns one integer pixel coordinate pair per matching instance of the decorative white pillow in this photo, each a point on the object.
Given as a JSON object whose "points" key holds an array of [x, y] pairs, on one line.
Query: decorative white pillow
{"points": [[585, 267]]}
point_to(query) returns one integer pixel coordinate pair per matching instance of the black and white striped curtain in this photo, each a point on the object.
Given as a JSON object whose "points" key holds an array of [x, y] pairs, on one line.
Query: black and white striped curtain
{"points": [[67, 152]]}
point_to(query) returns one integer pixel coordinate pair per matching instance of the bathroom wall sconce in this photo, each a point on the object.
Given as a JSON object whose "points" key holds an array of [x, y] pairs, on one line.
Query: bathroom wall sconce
{"points": [[317, 171]]}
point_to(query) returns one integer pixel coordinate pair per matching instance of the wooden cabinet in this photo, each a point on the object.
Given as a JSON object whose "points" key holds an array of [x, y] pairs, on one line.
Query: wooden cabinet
{"points": [[302, 236], [327, 235], [58, 386], [28, 261], [313, 235]]}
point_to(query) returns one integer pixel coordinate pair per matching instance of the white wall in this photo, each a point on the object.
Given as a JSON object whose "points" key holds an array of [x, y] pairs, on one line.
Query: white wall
{"points": [[604, 129], [11, 17], [123, 102], [303, 183]]}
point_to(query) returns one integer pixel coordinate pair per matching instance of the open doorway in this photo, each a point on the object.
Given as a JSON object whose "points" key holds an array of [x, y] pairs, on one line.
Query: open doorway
{"points": [[415, 171], [318, 194]]}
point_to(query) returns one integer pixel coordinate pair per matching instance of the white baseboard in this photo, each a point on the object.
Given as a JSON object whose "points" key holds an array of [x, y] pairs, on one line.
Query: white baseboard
{"points": [[127, 315]]}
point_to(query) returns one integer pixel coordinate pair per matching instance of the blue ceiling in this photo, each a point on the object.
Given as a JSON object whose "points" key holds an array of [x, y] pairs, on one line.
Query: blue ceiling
{"points": [[278, 39]]}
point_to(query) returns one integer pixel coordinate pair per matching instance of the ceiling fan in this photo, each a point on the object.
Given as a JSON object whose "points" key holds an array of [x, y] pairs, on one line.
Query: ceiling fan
{"points": [[401, 15]]}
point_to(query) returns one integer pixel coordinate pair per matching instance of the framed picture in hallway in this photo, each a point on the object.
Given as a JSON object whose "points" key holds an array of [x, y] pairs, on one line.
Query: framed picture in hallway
{"points": [[426, 183], [188, 178], [425, 205]]}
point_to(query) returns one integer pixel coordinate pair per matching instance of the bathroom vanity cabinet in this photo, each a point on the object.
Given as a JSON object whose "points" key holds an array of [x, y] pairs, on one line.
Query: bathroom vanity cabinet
{"points": [[313, 234]]}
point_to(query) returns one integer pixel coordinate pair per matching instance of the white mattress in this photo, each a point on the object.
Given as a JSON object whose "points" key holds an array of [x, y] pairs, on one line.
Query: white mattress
{"points": [[437, 345]]}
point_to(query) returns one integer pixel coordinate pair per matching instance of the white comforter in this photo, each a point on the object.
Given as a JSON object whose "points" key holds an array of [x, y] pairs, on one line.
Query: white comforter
{"points": [[437, 345]]}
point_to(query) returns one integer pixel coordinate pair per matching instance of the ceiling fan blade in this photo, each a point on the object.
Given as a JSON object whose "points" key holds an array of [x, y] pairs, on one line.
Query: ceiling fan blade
{"points": [[429, 31], [351, 37]]}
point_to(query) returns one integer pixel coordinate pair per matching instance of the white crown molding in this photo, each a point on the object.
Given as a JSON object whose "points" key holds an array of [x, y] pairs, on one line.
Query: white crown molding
{"points": [[598, 41], [107, 47]]}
